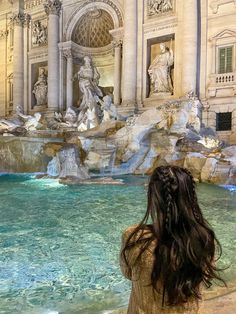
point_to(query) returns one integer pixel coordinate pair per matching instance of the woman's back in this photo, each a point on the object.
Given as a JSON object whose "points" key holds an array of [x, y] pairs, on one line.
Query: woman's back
{"points": [[144, 299], [169, 260]]}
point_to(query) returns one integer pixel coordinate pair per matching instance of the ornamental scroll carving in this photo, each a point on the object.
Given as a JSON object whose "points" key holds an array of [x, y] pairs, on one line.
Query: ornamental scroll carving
{"points": [[157, 7], [52, 7]]}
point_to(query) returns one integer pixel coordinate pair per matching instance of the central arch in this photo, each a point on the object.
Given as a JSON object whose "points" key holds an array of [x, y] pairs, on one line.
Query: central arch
{"points": [[108, 6]]}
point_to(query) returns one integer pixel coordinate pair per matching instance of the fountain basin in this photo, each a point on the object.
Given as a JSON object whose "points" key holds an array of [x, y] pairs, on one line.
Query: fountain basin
{"points": [[60, 243]]}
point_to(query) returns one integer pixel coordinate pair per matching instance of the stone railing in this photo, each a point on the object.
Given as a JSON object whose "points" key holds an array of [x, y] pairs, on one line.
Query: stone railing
{"points": [[223, 79]]}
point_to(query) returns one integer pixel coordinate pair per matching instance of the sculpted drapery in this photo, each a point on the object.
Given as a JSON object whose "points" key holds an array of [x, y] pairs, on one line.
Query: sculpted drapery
{"points": [[159, 71]]}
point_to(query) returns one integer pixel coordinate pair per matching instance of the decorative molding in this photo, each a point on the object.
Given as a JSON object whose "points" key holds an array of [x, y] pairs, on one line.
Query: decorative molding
{"points": [[226, 33], [83, 8], [117, 33], [52, 7], [30, 4], [217, 3], [158, 7], [27, 20], [17, 19], [110, 3], [165, 24], [117, 43], [67, 53], [3, 34]]}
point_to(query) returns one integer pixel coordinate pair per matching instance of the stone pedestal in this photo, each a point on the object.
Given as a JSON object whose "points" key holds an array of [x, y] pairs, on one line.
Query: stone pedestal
{"points": [[52, 9], [189, 43], [129, 53], [18, 60]]}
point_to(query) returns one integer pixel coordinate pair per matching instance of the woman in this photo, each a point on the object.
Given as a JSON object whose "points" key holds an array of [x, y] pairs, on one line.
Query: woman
{"points": [[170, 259]]}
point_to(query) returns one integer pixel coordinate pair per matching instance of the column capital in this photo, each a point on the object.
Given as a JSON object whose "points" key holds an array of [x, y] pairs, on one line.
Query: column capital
{"points": [[52, 7], [27, 20], [17, 19], [67, 53], [117, 43]]}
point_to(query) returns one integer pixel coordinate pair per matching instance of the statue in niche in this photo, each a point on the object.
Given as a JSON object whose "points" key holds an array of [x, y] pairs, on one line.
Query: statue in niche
{"points": [[39, 34], [88, 77], [160, 6], [41, 88], [160, 72]]}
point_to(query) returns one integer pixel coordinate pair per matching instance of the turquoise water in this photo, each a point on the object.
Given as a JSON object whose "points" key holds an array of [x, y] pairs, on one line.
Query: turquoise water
{"points": [[60, 244]]}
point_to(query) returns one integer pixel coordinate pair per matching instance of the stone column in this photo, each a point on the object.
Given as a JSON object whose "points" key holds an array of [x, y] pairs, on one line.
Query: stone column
{"points": [[117, 45], [69, 77], [52, 9], [189, 41], [18, 60], [26, 46], [129, 53]]}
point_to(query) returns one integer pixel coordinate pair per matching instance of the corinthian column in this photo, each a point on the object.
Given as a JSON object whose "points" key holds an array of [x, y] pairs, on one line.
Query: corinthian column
{"points": [[189, 40], [26, 43], [129, 53], [18, 60], [117, 45], [52, 9], [69, 77]]}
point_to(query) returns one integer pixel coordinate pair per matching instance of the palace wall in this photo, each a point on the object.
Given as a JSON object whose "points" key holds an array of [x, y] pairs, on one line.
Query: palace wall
{"points": [[195, 31]]}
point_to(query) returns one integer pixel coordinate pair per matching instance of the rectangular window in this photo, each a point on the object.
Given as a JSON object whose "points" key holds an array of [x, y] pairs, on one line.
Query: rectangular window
{"points": [[225, 60], [224, 121]]}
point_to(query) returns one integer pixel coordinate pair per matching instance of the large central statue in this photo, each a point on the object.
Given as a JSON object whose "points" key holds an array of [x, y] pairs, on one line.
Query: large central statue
{"points": [[159, 71], [88, 77]]}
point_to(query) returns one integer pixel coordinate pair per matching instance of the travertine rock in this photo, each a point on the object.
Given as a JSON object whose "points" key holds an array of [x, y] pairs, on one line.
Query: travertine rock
{"points": [[195, 162], [208, 169]]}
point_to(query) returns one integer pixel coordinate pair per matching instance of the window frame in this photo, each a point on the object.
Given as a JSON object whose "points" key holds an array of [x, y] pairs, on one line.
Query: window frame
{"points": [[218, 128], [218, 58]]}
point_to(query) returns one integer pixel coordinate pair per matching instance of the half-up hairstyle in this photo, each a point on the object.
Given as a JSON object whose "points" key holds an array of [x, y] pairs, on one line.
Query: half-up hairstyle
{"points": [[186, 249]]}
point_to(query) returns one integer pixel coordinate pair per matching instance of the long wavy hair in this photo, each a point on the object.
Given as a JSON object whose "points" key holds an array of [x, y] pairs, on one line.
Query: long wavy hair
{"points": [[186, 249]]}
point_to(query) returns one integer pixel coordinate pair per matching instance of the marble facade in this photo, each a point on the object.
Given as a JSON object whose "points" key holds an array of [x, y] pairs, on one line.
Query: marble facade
{"points": [[122, 38]]}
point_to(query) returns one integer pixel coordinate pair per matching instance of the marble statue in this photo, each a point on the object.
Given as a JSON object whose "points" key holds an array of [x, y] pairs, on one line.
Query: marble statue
{"points": [[19, 119], [41, 88], [109, 109], [32, 123], [194, 119], [160, 71], [39, 34], [70, 164], [70, 117], [159, 6], [88, 77]]}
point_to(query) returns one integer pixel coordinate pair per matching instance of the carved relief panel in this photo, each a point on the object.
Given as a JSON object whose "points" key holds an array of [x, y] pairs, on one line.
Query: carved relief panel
{"points": [[157, 7], [39, 33]]}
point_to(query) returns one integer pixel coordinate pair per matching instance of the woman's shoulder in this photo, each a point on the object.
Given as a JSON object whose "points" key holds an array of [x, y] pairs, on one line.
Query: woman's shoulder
{"points": [[144, 230]]}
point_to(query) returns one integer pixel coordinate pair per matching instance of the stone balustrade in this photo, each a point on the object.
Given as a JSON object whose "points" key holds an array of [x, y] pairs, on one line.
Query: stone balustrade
{"points": [[223, 79]]}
